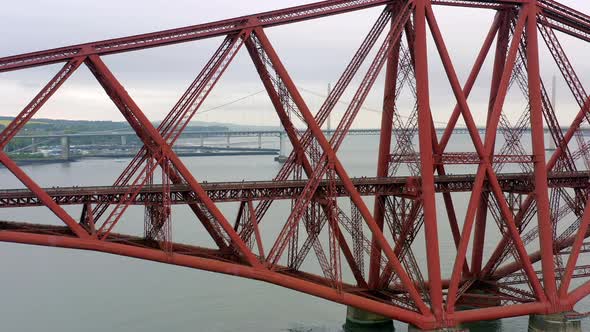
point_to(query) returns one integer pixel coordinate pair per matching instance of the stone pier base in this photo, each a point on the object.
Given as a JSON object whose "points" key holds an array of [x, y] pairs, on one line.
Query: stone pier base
{"points": [[358, 320], [281, 159], [554, 323], [412, 328]]}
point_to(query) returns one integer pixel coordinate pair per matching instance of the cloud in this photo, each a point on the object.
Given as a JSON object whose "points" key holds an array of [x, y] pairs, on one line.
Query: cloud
{"points": [[315, 53]]}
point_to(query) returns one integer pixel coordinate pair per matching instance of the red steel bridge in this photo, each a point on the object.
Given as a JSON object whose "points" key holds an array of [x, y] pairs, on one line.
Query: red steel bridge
{"points": [[530, 208]]}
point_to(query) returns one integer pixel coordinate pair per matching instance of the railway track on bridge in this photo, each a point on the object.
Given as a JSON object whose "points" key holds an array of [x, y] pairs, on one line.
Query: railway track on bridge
{"points": [[281, 190]]}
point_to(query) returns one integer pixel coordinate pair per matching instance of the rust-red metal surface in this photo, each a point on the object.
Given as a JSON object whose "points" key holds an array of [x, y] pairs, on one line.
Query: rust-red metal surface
{"points": [[540, 214]]}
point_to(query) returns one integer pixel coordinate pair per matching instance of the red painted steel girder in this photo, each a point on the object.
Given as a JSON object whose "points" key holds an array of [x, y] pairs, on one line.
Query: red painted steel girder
{"points": [[167, 37], [465, 158], [561, 17], [261, 190], [581, 271], [216, 261]]}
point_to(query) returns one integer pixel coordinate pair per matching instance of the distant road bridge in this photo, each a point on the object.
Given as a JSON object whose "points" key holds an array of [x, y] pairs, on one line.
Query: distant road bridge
{"points": [[249, 133], [65, 140]]}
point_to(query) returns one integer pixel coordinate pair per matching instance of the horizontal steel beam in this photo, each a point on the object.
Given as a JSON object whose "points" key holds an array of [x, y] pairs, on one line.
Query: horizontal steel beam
{"points": [[263, 190], [461, 158], [520, 278], [569, 20], [564, 19], [185, 34]]}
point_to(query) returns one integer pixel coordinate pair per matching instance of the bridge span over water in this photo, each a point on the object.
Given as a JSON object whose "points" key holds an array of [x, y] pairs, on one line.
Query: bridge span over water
{"points": [[520, 242]]}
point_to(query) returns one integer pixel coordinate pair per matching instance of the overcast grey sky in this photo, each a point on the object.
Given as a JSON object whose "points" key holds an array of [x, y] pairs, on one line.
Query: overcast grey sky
{"points": [[315, 53]]}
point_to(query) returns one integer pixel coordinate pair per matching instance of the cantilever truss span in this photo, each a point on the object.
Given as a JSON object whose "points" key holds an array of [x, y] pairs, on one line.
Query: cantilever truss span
{"points": [[534, 217]]}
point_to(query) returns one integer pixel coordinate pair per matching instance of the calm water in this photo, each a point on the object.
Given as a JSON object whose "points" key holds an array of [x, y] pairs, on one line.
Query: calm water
{"points": [[52, 289]]}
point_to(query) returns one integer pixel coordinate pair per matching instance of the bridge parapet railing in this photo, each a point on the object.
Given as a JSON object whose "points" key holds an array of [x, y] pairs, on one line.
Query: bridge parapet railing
{"points": [[462, 158]]}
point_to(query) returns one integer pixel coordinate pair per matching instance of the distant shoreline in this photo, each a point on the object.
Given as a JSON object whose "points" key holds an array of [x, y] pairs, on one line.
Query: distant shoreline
{"points": [[42, 161]]}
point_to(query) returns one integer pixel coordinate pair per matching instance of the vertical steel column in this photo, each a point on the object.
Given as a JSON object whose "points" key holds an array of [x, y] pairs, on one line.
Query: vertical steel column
{"points": [[499, 61], [490, 138], [426, 160], [384, 151], [297, 146], [86, 218], [499, 64], [479, 235], [538, 144], [254, 223], [437, 150], [463, 107], [576, 248], [349, 186]]}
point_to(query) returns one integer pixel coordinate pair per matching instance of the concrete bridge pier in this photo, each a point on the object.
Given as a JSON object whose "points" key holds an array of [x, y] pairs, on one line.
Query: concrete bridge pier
{"points": [[550, 144], [259, 140], [202, 140], [560, 322], [33, 145], [123, 140], [282, 157], [65, 148], [358, 320], [228, 141]]}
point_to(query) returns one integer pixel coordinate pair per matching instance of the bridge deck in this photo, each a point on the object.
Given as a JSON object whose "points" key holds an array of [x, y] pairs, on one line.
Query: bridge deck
{"points": [[260, 190]]}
